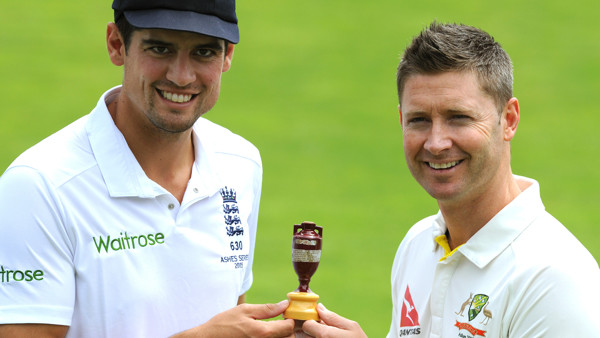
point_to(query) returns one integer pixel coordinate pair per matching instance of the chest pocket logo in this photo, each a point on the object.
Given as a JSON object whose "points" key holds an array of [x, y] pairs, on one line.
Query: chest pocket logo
{"points": [[477, 304], [231, 213]]}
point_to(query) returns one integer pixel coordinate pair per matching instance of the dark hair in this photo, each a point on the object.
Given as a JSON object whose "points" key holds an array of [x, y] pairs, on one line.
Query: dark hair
{"points": [[454, 47], [126, 29]]}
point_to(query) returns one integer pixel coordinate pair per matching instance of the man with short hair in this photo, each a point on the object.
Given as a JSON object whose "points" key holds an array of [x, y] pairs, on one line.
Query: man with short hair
{"points": [[492, 262], [139, 219]]}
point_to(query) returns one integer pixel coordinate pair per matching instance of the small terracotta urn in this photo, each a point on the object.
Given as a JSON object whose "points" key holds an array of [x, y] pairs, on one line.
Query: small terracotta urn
{"points": [[306, 255]]}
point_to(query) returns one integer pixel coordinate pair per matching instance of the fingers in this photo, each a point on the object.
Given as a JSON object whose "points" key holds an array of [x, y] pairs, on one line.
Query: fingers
{"points": [[278, 308], [333, 319], [265, 311], [313, 328], [281, 328], [332, 325]]}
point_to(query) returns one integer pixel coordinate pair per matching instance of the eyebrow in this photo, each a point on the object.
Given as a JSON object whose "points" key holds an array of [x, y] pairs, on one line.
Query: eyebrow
{"points": [[458, 110], [212, 45], [452, 110], [156, 42]]}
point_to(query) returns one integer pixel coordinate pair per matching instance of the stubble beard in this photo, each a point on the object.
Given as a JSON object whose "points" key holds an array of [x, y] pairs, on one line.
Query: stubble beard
{"points": [[171, 121]]}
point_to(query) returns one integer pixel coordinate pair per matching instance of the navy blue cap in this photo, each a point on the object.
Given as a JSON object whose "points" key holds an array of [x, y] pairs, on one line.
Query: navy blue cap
{"points": [[209, 17]]}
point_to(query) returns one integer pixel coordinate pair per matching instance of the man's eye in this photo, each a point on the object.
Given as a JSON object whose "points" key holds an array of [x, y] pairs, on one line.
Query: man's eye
{"points": [[460, 117], [205, 52], [416, 120], [160, 50]]}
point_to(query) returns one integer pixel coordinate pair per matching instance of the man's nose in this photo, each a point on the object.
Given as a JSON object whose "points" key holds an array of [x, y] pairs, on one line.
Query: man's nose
{"points": [[181, 72], [438, 139]]}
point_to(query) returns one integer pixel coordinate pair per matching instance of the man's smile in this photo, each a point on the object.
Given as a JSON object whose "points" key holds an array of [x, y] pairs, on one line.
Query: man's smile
{"points": [[440, 166], [174, 97]]}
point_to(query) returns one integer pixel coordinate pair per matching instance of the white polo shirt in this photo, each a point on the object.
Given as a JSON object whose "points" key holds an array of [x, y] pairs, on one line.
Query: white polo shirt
{"points": [[89, 241], [522, 275]]}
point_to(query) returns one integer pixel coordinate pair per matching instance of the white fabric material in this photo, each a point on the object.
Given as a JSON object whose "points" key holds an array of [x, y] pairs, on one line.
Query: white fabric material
{"points": [[166, 267], [522, 275]]}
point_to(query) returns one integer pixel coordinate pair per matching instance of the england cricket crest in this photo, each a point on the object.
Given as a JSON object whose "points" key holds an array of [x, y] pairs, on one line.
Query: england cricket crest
{"points": [[231, 212], [476, 305]]}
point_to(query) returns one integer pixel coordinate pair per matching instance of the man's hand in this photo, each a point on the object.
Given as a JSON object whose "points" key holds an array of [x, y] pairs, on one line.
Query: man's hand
{"points": [[332, 325], [245, 321]]}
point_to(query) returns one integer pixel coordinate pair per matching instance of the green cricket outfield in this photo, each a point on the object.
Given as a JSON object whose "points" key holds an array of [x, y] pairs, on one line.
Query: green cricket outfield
{"points": [[313, 87]]}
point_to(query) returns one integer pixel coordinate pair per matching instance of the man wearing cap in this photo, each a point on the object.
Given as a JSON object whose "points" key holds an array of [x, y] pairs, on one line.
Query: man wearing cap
{"points": [[139, 219]]}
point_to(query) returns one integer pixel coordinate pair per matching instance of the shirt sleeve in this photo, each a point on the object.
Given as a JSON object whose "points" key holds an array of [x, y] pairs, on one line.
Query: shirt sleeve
{"points": [[558, 301], [37, 281]]}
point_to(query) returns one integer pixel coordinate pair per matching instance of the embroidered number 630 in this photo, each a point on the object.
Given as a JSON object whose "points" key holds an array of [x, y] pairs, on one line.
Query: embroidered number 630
{"points": [[235, 245]]}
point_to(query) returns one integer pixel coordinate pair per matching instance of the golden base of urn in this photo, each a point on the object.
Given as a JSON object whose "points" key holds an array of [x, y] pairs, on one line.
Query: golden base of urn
{"points": [[303, 306]]}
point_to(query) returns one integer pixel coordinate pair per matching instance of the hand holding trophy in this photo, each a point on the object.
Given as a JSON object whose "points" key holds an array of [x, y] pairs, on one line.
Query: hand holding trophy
{"points": [[306, 255]]}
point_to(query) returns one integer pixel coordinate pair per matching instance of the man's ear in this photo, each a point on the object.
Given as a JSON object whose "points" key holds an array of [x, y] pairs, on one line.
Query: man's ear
{"points": [[512, 114], [115, 44], [400, 111], [228, 57]]}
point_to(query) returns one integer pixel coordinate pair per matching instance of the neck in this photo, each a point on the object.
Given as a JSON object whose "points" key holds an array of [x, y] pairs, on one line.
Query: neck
{"points": [[466, 217], [166, 158]]}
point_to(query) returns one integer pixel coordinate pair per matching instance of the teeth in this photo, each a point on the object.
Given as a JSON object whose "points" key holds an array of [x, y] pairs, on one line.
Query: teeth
{"points": [[443, 165], [179, 98]]}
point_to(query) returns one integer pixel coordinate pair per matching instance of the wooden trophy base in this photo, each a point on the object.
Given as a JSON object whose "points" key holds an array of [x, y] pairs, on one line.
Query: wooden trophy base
{"points": [[303, 306]]}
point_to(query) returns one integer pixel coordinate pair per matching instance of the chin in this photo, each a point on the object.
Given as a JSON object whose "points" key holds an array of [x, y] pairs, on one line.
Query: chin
{"points": [[442, 193]]}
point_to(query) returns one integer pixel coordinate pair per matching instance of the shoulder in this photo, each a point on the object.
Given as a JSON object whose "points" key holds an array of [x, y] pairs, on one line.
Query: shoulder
{"points": [[563, 278], [415, 258], [552, 267], [547, 242], [418, 239], [58, 157], [222, 141], [423, 228]]}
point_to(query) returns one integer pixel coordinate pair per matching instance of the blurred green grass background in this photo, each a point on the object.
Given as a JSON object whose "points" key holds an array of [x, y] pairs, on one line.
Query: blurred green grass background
{"points": [[313, 87]]}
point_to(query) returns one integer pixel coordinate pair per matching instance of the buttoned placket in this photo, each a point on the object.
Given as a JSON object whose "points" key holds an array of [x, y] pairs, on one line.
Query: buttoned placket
{"points": [[191, 195], [196, 189], [170, 203], [442, 279]]}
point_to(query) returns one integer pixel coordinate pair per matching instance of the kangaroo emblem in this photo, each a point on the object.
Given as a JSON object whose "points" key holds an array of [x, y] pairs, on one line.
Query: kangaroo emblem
{"points": [[464, 305]]}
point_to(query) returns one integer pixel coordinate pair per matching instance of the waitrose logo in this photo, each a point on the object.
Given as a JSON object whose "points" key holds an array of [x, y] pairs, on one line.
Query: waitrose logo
{"points": [[125, 242], [7, 276]]}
